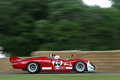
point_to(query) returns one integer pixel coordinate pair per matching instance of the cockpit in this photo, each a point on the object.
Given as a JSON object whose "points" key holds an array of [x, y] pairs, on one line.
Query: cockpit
{"points": [[53, 56]]}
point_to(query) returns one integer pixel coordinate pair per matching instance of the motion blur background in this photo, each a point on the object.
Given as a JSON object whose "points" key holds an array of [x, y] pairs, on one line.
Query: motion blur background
{"points": [[44, 25]]}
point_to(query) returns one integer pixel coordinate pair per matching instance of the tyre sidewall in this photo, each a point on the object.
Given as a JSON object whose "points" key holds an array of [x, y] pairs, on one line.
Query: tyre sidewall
{"points": [[76, 66], [37, 70]]}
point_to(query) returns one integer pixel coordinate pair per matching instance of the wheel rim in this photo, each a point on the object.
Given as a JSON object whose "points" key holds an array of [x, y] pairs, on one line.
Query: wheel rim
{"points": [[80, 67], [32, 67]]}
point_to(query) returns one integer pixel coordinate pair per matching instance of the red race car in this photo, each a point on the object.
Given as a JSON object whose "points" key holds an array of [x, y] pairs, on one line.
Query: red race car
{"points": [[53, 63]]}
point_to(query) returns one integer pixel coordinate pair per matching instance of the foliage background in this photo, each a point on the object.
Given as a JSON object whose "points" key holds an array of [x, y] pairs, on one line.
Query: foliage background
{"points": [[29, 25]]}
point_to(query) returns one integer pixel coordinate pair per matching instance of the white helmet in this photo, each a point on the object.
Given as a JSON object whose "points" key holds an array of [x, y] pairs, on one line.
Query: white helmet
{"points": [[57, 57]]}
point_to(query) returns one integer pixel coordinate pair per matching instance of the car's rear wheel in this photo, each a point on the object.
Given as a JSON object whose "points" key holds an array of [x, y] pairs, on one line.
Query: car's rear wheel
{"points": [[33, 67], [80, 66]]}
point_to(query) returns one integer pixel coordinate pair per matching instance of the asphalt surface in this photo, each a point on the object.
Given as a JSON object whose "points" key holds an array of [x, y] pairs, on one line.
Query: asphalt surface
{"points": [[61, 73]]}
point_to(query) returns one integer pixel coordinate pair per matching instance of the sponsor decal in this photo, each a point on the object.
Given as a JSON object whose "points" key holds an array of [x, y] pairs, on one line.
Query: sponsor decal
{"points": [[56, 68], [23, 62], [46, 68], [68, 67], [68, 64]]}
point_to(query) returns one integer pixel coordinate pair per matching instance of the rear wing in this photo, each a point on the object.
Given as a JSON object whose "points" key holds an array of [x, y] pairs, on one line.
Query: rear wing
{"points": [[13, 58]]}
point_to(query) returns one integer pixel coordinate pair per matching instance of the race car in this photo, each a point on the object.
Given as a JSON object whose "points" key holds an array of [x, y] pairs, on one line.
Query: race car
{"points": [[51, 63]]}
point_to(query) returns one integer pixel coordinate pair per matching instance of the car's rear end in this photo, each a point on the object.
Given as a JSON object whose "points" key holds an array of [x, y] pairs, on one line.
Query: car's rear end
{"points": [[17, 62]]}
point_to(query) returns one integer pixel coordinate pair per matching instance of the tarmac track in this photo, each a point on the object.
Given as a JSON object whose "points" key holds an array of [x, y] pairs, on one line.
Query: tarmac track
{"points": [[60, 73]]}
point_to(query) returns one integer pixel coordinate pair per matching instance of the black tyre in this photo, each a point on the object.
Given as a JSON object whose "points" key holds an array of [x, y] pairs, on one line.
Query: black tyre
{"points": [[80, 66], [33, 67]]}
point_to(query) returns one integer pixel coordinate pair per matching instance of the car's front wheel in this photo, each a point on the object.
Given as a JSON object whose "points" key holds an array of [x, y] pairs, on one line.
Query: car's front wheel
{"points": [[33, 67], [80, 66]]}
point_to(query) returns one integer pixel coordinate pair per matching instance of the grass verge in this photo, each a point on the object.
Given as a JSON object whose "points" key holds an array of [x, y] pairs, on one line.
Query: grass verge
{"points": [[60, 77]]}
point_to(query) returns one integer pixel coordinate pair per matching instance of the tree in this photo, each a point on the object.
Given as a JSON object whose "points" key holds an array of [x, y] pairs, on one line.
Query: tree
{"points": [[17, 18], [116, 3], [29, 25]]}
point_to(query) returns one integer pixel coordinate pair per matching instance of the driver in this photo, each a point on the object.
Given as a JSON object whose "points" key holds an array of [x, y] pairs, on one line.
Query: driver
{"points": [[51, 56], [57, 57]]}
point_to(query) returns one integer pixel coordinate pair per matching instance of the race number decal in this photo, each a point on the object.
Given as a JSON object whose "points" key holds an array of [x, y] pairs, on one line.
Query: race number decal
{"points": [[57, 63]]}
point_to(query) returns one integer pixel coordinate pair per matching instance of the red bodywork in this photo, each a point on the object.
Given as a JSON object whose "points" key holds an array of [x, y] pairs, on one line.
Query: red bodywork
{"points": [[46, 64]]}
